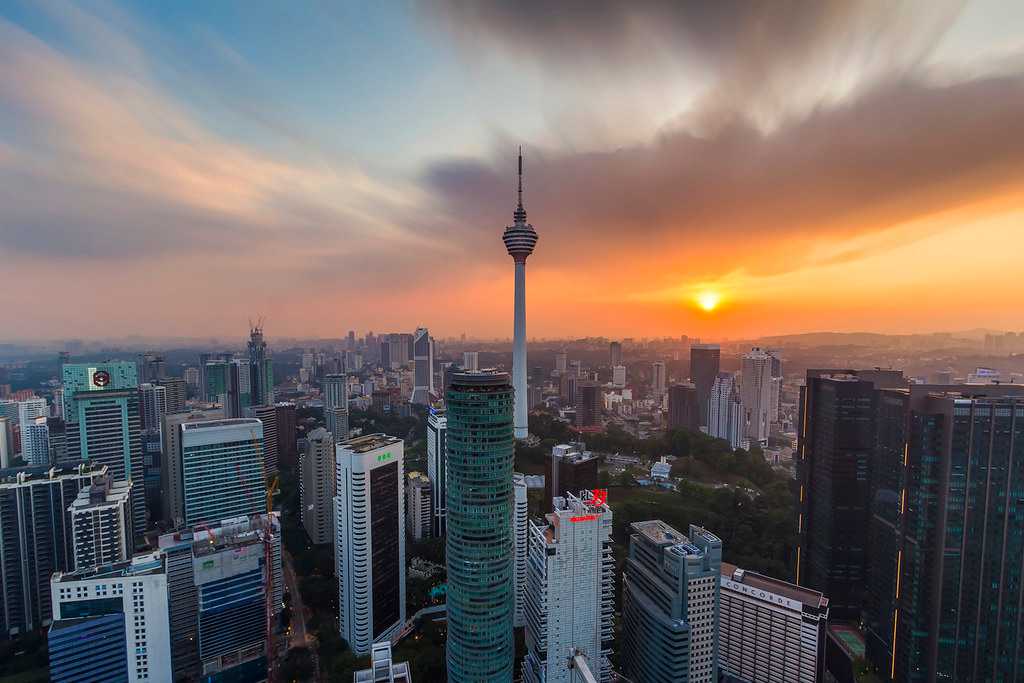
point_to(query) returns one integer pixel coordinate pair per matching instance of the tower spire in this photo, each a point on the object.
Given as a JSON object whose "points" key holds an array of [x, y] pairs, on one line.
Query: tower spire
{"points": [[520, 212]]}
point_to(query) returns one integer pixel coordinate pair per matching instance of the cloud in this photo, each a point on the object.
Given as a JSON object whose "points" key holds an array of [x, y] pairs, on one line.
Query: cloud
{"points": [[699, 206]]}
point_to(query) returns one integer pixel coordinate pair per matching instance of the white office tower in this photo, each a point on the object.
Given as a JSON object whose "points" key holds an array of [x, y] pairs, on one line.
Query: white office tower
{"points": [[471, 361], [725, 411], [570, 591], [369, 543], [35, 441], [520, 239], [418, 510], [316, 486], [111, 623], [561, 362], [659, 380], [770, 630], [35, 435], [756, 394], [334, 393], [102, 523], [423, 356], [520, 528], [437, 431], [619, 376]]}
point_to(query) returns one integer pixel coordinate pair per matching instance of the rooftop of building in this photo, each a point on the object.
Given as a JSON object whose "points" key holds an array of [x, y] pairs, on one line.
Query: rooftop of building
{"points": [[39, 473], [488, 377], [140, 565], [217, 535], [666, 536], [370, 442], [572, 452], [417, 478], [101, 493], [226, 422], [806, 596]]}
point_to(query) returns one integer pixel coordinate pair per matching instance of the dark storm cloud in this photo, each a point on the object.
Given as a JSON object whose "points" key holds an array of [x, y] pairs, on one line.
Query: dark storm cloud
{"points": [[901, 150]]}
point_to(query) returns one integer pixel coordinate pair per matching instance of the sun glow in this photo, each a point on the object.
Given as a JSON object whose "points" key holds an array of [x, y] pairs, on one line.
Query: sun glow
{"points": [[709, 300]]}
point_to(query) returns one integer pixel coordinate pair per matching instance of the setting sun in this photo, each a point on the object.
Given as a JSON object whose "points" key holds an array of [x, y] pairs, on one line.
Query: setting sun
{"points": [[708, 300]]}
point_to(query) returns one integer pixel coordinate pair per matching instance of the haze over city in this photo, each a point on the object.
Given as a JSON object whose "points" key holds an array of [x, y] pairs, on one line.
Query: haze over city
{"points": [[725, 170]]}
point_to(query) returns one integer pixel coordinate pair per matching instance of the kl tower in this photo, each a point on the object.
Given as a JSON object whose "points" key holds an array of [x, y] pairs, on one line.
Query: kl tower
{"points": [[520, 239]]}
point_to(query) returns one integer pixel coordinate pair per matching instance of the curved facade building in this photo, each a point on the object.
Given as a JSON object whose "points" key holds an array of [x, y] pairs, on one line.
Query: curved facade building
{"points": [[480, 549]]}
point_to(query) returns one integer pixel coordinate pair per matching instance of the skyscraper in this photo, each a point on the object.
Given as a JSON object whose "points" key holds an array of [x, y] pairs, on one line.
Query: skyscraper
{"points": [[103, 425], [480, 547], [704, 366], [171, 491], [437, 457], [317, 475], [570, 590], [176, 393], [770, 630], [6, 442], [658, 379], [683, 407], [471, 361], [36, 526], [111, 623], [619, 376], [423, 355], [35, 441], [418, 509], [945, 589], [334, 394], [756, 393], [726, 412], [261, 369], [520, 531], [520, 239], [670, 591], [836, 441], [222, 469], [589, 400], [615, 353], [569, 468], [101, 521], [369, 543], [286, 434], [267, 415]]}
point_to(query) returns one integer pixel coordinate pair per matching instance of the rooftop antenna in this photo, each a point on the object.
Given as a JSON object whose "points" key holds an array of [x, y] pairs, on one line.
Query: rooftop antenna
{"points": [[520, 213]]}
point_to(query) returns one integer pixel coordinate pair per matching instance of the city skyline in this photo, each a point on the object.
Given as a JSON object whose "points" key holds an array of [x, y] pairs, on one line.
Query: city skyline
{"points": [[831, 172]]}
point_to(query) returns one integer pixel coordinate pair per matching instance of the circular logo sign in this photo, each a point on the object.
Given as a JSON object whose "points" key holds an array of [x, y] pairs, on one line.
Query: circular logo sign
{"points": [[101, 378]]}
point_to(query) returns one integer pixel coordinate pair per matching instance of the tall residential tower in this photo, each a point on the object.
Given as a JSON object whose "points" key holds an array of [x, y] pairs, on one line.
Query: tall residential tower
{"points": [[520, 238]]}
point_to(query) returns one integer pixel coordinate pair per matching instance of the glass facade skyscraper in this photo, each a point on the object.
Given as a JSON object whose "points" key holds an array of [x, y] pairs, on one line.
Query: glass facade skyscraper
{"points": [[480, 546], [222, 469]]}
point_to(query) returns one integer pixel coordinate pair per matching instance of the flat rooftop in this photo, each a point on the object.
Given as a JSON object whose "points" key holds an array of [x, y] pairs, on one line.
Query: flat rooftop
{"points": [[38, 473], [806, 596], [140, 565], [210, 424], [660, 533], [362, 444]]}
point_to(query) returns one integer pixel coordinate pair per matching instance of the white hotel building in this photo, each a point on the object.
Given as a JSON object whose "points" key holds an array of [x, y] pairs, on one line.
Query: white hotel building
{"points": [[770, 631], [369, 542], [570, 591]]}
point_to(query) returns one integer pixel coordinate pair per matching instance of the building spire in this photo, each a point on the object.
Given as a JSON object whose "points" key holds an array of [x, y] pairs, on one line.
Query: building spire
{"points": [[520, 212]]}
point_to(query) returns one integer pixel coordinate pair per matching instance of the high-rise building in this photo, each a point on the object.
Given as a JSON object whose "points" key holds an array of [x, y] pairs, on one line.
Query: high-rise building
{"points": [[58, 442], [6, 442], [238, 391], [35, 441], [670, 602], [334, 393], [659, 378], [437, 457], [151, 367], [726, 413], [589, 400], [35, 436], [480, 550], [520, 530], [835, 445], [619, 376], [103, 425], [570, 590], [152, 407], [418, 509], [569, 468], [261, 369], [35, 526], [756, 393], [171, 491], [286, 434], [383, 669], [423, 356], [268, 416], [770, 630], [222, 471], [615, 353], [192, 376], [561, 362], [471, 361], [369, 545], [567, 394], [215, 374], [111, 623], [946, 541], [101, 521], [683, 407], [520, 239], [704, 367], [176, 393], [316, 486]]}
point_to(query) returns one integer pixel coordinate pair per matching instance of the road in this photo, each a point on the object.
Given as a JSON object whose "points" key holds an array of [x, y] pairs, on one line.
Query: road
{"points": [[299, 637]]}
